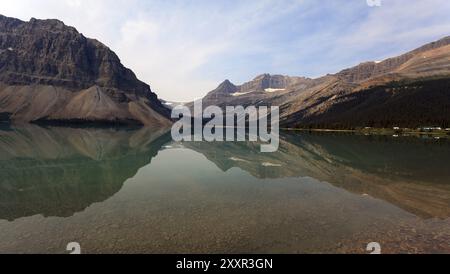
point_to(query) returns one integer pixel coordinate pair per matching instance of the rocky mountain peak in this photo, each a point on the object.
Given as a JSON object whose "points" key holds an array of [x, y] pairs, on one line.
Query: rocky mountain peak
{"points": [[368, 70], [47, 53], [266, 81], [226, 87], [50, 24]]}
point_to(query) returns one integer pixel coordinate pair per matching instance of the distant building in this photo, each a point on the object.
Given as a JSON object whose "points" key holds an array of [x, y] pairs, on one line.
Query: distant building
{"points": [[430, 128]]}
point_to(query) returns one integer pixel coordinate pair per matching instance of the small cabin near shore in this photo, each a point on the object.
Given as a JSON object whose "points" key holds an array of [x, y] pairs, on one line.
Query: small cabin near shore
{"points": [[430, 129]]}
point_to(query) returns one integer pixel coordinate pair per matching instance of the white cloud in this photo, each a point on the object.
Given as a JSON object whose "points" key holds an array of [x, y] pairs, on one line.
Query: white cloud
{"points": [[405, 23]]}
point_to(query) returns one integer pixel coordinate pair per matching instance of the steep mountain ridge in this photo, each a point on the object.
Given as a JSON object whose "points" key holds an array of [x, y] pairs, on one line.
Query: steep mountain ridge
{"points": [[410, 90], [46, 63], [368, 70], [260, 89]]}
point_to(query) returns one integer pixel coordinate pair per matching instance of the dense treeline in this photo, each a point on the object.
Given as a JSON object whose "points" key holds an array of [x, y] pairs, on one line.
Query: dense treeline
{"points": [[399, 104]]}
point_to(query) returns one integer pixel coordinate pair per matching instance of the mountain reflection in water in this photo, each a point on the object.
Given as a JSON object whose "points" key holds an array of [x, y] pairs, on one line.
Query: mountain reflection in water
{"points": [[61, 171], [50, 175]]}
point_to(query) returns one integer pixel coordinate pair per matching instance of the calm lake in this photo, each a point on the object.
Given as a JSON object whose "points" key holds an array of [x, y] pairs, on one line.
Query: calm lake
{"points": [[137, 191]]}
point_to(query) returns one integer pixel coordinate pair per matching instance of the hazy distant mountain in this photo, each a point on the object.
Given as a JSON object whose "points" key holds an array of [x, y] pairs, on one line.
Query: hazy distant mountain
{"points": [[171, 104], [50, 72], [409, 90]]}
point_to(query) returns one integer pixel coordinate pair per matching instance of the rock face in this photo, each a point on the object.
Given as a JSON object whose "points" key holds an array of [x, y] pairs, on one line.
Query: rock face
{"points": [[261, 89], [410, 90], [369, 70], [266, 81], [51, 73], [225, 89]]}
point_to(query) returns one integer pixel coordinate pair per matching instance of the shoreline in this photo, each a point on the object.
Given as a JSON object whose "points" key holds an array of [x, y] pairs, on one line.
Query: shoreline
{"points": [[437, 133], [443, 133]]}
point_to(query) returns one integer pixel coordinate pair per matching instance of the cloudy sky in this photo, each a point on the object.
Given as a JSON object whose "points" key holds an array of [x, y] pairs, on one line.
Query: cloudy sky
{"points": [[185, 48]]}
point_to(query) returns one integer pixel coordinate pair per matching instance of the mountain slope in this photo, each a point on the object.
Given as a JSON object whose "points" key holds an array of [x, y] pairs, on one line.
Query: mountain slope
{"points": [[261, 90], [51, 73], [410, 90]]}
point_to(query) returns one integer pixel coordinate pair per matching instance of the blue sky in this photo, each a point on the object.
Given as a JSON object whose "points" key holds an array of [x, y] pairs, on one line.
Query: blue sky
{"points": [[184, 49]]}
